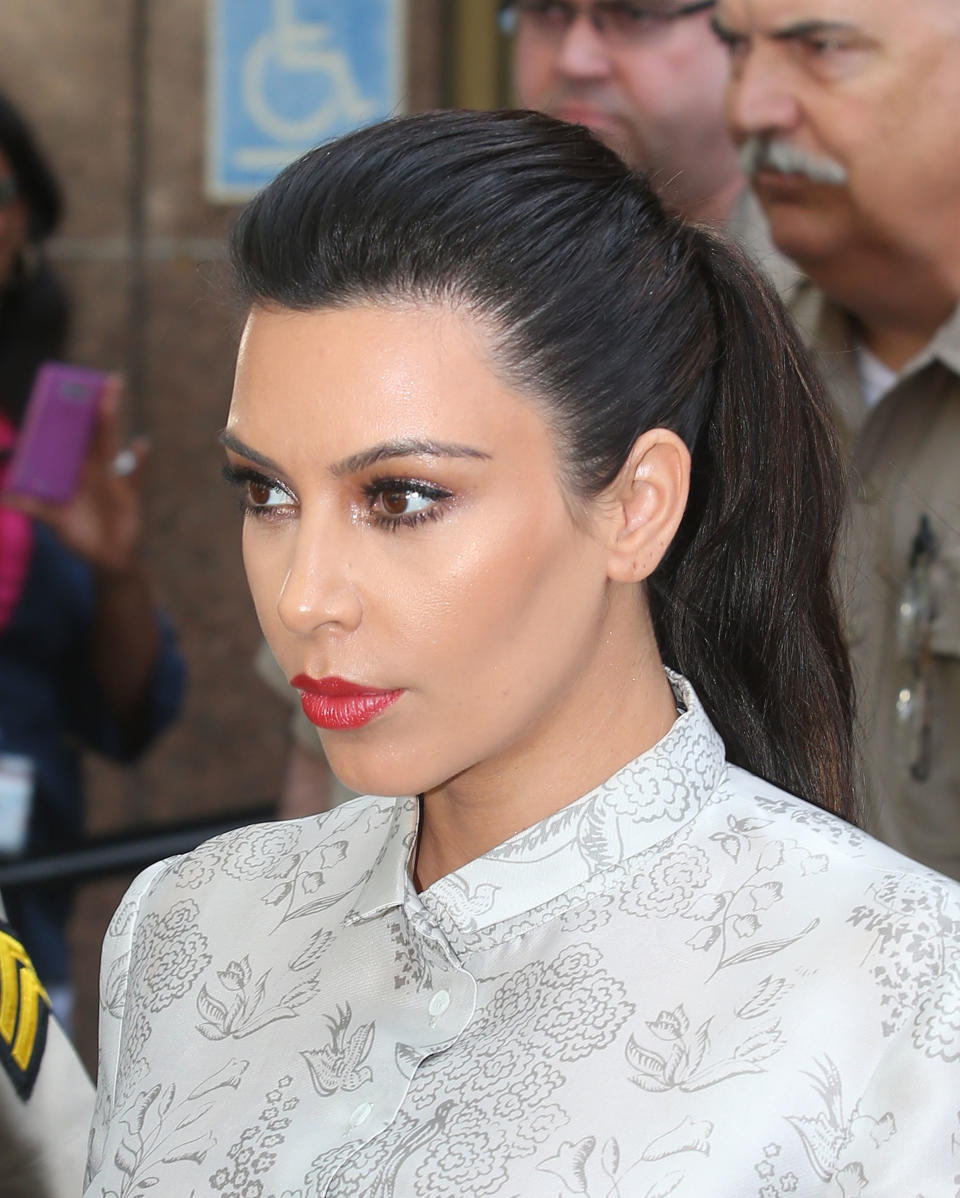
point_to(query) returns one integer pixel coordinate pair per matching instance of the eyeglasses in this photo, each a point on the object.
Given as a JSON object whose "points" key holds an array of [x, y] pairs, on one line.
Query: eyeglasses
{"points": [[617, 21], [916, 612]]}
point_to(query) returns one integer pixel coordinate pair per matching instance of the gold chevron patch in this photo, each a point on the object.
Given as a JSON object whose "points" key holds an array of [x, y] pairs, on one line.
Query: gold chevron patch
{"points": [[24, 1012]]}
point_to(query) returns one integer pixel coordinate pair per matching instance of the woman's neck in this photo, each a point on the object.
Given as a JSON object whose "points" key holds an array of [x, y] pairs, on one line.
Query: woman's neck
{"points": [[622, 709]]}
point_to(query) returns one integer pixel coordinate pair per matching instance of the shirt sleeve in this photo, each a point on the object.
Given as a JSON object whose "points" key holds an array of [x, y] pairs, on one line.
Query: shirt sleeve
{"points": [[914, 1098], [114, 974]]}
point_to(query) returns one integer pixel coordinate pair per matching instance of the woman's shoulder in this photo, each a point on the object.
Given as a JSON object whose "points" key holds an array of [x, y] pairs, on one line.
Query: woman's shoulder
{"points": [[832, 843], [256, 870]]}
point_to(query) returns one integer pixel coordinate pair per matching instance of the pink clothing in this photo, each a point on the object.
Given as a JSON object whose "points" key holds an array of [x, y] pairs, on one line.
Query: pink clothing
{"points": [[16, 539]]}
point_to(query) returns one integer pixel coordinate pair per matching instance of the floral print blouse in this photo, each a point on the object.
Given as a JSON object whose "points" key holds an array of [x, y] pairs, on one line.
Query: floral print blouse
{"points": [[686, 983]]}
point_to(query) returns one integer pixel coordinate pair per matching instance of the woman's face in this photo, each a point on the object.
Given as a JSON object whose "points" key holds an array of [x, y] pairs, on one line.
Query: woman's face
{"points": [[406, 532]]}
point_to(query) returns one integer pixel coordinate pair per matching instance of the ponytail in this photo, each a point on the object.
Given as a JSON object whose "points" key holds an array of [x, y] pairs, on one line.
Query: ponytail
{"points": [[744, 603]]}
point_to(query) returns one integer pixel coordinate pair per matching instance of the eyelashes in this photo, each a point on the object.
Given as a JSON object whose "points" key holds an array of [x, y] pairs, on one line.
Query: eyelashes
{"points": [[251, 484], [389, 502], [395, 503]]}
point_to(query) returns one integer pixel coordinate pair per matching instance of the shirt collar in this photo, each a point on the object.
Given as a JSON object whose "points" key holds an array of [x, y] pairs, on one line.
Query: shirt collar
{"points": [[641, 804], [389, 878], [945, 347], [831, 331]]}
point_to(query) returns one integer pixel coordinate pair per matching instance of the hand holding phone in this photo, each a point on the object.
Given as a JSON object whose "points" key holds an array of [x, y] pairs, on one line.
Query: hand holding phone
{"points": [[56, 432], [101, 520]]}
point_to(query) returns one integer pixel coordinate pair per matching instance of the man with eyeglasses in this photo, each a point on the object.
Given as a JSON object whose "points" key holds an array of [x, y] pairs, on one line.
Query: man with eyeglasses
{"points": [[848, 112], [648, 78]]}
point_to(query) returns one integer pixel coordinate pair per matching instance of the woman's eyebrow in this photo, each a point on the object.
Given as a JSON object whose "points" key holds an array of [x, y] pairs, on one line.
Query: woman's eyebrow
{"points": [[229, 441], [404, 448]]}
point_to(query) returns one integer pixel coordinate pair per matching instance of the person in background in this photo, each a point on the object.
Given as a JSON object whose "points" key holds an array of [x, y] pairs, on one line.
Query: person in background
{"points": [[848, 112], [649, 80], [46, 1098], [85, 660]]}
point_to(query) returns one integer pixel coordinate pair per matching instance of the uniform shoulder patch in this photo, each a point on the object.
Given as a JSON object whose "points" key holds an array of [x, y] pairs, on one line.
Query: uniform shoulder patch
{"points": [[24, 1013]]}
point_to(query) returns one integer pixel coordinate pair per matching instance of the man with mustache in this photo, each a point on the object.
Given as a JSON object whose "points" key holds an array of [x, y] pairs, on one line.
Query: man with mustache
{"points": [[847, 113], [648, 79]]}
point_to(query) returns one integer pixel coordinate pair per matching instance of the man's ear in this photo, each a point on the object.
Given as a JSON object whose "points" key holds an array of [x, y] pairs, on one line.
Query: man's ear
{"points": [[645, 503]]}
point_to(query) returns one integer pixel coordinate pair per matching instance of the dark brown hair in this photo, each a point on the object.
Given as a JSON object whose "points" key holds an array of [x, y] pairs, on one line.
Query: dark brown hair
{"points": [[619, 318]]}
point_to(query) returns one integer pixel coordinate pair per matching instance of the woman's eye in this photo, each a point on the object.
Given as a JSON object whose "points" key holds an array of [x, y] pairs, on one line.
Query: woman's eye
{"points": [[404, 502], [261, 494]]}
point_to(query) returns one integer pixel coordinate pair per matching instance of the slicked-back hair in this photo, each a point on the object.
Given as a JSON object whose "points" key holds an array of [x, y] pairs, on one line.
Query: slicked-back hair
{"points": [[618, 318]]}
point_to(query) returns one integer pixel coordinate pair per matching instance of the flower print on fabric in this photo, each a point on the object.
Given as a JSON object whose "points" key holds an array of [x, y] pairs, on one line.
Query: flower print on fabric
{"points": [[195, 870], [242, 1007], [589, 918], [584, 1167], [936, 1026], [913, 921], [311, 955], [830, 830], [729, 890], [168, 955], [672, 1055], [255, 1152], [133, 1068], [247, 856], [166, 1128], [670, 883]]}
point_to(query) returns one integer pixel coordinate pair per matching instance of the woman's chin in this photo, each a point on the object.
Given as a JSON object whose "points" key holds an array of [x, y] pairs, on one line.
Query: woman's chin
{"points": [[378, 778]]}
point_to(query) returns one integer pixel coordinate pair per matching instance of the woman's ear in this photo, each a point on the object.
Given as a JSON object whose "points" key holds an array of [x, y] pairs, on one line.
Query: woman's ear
{"points": [[645, 504]]}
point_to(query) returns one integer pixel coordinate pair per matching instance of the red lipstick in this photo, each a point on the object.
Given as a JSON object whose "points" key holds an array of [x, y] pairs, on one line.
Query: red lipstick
{"points": [[337, 704]]}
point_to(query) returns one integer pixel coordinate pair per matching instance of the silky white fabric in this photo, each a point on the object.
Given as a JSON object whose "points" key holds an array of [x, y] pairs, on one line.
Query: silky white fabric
{"points": [[686, 983]]}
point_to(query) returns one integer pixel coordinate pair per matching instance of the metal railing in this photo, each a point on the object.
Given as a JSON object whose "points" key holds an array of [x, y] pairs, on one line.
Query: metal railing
{"points": [[126, 852]]}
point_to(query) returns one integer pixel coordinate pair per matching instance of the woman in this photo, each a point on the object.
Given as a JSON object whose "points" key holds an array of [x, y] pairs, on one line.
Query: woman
{"points": [[509, 439], [84, 659]]}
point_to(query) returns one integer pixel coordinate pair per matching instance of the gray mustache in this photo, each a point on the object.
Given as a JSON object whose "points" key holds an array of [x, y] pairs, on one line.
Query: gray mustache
{"points": [[760, 153]]}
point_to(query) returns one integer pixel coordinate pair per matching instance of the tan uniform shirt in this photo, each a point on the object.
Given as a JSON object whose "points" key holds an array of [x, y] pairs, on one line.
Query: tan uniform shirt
{"points": [[46, 1098], [903, 619]]}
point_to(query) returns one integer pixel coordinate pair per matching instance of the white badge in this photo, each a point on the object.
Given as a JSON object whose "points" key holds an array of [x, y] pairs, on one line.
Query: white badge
{"points": [[16, 799]]}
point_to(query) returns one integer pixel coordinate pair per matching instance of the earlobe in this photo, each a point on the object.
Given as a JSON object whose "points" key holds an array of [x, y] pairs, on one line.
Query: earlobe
{"points": [[648, 499]]}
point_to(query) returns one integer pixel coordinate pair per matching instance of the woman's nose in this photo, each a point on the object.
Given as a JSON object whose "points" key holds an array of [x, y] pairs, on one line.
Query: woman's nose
{"points": [[318, 591]]}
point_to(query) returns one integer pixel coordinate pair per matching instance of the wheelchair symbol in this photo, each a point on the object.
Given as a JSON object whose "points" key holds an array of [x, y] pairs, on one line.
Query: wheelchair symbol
{"points": [[295, 47]]}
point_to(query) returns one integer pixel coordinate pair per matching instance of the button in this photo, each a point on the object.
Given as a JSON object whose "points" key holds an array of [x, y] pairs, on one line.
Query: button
{"points": [[439, 1003], [361, 1114]]}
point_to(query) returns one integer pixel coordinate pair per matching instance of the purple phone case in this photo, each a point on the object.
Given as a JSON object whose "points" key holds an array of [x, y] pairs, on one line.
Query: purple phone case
{"points": [[56, 431]]}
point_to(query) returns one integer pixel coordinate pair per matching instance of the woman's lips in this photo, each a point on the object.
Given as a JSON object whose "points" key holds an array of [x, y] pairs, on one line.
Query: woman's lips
{"points": [[337, 704]]}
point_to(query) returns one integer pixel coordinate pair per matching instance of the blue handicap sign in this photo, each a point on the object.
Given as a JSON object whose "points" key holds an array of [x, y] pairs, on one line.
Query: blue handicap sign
{"points": [[288, 74]]}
